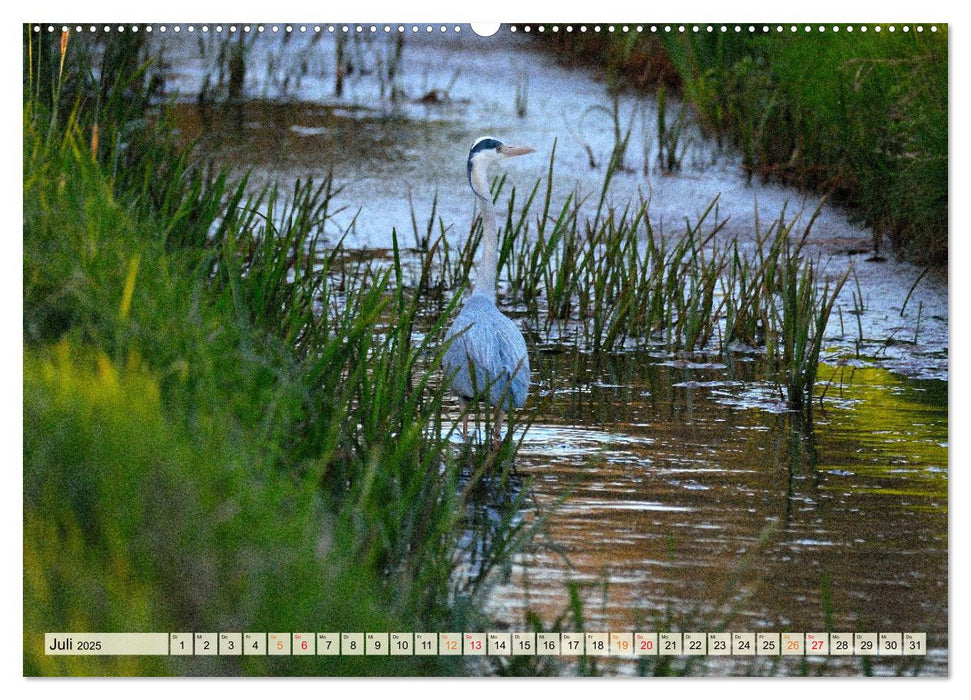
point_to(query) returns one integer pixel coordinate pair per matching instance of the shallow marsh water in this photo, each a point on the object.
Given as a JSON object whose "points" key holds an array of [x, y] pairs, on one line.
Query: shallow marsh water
{"points": [[688, 506], [678, 492]]}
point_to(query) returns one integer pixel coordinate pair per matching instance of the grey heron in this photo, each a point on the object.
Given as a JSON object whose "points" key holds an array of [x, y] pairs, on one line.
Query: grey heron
{"points": [[488, 358]]}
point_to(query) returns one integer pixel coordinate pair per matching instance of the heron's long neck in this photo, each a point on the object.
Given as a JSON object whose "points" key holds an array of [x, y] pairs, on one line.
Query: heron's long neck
{"points": [[485, 281]]}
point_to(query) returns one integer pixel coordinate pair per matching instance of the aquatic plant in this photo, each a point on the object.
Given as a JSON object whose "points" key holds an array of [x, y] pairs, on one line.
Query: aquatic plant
{"points": [[618, 154], [522, 95], [801, 319], [669, 147]]}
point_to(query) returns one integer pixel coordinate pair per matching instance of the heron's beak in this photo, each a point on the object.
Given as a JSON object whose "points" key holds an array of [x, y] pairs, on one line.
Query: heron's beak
{"points": [[510, 151]]}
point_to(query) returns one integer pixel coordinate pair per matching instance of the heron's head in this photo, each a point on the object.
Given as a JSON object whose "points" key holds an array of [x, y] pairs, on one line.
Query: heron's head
{"points": [[487, 150]]}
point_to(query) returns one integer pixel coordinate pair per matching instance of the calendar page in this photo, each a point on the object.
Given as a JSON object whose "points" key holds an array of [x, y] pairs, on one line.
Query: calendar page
{"points": [[432, 349]]}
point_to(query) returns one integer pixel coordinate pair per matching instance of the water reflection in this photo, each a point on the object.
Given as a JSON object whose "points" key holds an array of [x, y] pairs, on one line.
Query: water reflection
{"points": [[695, 514]]}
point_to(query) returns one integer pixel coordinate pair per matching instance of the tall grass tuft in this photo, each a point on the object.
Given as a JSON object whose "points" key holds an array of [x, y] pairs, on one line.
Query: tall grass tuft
{"points": [[612, 282]]}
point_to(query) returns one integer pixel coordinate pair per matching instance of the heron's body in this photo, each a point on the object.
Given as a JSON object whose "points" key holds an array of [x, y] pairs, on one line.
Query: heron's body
{"points": [[490, 356], [487, 357]]}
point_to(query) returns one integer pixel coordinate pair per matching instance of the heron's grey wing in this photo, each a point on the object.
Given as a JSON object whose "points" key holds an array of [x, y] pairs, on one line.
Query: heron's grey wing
{"points": [[468, 348], [456, 358], [512, 365]]}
